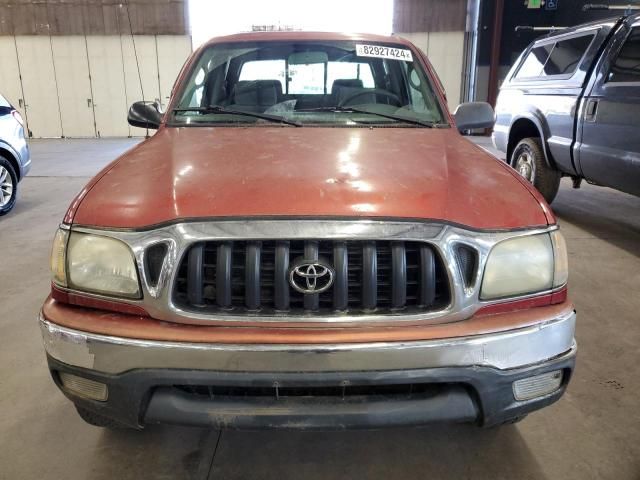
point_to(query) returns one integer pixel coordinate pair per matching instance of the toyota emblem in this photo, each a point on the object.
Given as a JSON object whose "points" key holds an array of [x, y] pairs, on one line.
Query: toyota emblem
{"points": [[311, 276]]}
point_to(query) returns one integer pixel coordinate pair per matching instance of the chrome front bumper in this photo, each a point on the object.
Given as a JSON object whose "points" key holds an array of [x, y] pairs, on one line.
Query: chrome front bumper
{"points": [[504, 350]]}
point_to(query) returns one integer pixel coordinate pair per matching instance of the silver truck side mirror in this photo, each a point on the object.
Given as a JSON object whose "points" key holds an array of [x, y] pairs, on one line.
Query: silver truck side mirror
{"points": [[474, 115]]}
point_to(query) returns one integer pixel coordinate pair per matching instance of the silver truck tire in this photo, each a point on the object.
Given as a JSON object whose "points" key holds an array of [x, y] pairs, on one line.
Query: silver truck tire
{"points": [[529, 161]]}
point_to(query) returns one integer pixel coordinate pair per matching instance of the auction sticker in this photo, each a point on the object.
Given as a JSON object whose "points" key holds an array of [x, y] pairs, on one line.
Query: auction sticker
{"points": [[383, 52]]}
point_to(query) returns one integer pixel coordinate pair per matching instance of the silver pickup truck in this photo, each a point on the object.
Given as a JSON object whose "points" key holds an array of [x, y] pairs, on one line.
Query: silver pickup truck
{"points": [[570, 106]]}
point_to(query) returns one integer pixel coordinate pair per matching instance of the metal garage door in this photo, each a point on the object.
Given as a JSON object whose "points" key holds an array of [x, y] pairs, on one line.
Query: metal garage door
{"points": [[74, 87], [39, 85], [10, 86], [145, 49], [108, 86]]}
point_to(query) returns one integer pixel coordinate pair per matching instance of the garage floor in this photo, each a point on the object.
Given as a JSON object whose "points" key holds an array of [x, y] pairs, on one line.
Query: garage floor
{"points": [[593, 432]]}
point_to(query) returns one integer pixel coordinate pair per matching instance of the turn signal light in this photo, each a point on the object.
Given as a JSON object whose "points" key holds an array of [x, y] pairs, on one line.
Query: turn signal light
{"points": [[84, 387], [538, 386]]}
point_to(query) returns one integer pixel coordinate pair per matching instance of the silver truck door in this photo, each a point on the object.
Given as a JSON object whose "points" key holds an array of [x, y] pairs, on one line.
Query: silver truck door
{"points": [[609, 143]]}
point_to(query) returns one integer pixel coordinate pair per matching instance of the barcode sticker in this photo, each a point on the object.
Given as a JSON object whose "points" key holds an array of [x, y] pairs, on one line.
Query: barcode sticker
{"points": [[383, 52]]}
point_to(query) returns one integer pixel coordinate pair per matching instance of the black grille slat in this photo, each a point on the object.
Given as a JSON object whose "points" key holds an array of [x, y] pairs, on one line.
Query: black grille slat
{"points": [[427, 276], [399, 276], [341, 282], [248, 277], [223, 274], [369, 276], [280, 278], [195, 275], [252, 275]]}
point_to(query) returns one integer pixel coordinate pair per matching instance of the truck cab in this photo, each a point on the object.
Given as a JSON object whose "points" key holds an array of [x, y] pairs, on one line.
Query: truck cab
{"points": [[570, 106]]}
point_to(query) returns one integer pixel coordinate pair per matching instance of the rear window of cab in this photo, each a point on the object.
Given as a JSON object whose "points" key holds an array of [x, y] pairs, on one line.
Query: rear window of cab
{"points": [[307, 79]]}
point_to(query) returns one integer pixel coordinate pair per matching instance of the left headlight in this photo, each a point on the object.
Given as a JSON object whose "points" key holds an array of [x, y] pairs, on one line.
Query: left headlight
{"points": [[94, 263], [525, 265]]}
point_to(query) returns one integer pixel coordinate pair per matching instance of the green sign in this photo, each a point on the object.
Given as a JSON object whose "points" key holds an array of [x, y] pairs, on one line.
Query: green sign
{"points": [[534, 3]]}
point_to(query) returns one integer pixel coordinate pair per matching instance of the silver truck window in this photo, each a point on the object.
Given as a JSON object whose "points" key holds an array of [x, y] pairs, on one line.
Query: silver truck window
{"points": [[554, 59]]}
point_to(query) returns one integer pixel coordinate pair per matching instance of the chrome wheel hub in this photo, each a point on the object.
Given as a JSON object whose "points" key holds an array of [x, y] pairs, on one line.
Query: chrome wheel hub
{"points": [[6, 186], [524, 166]]}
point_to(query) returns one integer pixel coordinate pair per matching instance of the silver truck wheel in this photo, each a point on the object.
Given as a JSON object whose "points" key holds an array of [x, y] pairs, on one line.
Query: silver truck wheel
{"points": [[529, 161], [524, 165]]}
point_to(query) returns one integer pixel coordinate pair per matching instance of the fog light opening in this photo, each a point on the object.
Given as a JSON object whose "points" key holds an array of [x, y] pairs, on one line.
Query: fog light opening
{"points": [[84, 387], [538, 386]]}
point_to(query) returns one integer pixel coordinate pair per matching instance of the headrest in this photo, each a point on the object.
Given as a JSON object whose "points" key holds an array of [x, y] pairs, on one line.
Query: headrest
{"points": [[345, 83], [257, 92]]}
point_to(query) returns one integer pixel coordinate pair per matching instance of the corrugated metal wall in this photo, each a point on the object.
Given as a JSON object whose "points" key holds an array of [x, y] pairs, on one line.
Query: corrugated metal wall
{"points": [[71, 66], [93, 17]]}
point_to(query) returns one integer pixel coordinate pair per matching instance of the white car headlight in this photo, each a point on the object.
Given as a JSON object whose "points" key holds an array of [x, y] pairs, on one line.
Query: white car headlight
{"points": [[94, 263], [524, 265]]}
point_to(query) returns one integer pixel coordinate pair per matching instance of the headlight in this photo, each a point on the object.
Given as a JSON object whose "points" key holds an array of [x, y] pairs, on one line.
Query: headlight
{"points": [[525, 265], [95, 264]]}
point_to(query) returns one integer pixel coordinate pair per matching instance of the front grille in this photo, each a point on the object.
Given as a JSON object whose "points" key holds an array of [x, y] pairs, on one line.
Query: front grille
{"points": [[253, 277]]}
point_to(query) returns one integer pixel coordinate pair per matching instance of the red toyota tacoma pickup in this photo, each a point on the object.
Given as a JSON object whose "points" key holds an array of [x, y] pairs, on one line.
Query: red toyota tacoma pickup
{"points": [[307, 241]]}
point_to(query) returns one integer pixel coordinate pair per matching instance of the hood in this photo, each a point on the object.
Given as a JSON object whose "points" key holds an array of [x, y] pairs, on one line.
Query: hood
{"points": [[202, 172]]}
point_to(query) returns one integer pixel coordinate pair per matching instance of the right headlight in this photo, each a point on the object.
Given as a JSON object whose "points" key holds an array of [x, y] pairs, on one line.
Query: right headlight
{"points": [[94, 263], [525, 265]]}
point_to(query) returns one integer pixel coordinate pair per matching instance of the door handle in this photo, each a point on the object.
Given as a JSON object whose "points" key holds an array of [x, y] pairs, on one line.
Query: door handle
{"points": [[20, 103], [591, 110], [88, 103]]}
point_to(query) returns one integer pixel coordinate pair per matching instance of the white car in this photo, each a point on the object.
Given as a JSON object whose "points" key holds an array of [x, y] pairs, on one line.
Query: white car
{"points": [[15, 160]]}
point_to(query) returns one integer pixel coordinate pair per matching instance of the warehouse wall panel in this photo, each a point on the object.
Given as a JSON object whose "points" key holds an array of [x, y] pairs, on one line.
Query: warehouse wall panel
{"points": [[73, 85], [437, 27], [108, 85], [82, 86], [140, 65], [10, 86], [39, 85], [173, 51], [445, 51]]}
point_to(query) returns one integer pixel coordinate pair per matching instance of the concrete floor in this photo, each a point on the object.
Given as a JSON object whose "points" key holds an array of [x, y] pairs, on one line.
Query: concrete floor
{"points": [[593, 432]]}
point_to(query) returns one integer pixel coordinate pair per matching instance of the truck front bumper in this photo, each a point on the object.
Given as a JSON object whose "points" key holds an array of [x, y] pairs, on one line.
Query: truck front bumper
{"points": [[487, 379]]}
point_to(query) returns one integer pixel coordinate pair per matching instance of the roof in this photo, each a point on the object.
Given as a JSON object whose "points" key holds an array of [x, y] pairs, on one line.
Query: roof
{"points": [[306, 36]]}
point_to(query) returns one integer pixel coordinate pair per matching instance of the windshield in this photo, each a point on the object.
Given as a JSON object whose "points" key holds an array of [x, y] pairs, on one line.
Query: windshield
{"points": [[340, 83]]}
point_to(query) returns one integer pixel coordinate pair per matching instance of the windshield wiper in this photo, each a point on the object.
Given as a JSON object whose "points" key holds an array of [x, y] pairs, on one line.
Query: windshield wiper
{"points": [[336, 108], [224, 110]]}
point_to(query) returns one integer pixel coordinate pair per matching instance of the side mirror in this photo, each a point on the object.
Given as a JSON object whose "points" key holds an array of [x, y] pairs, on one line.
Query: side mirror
{"points": [[474, 115], [144, 115]]}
